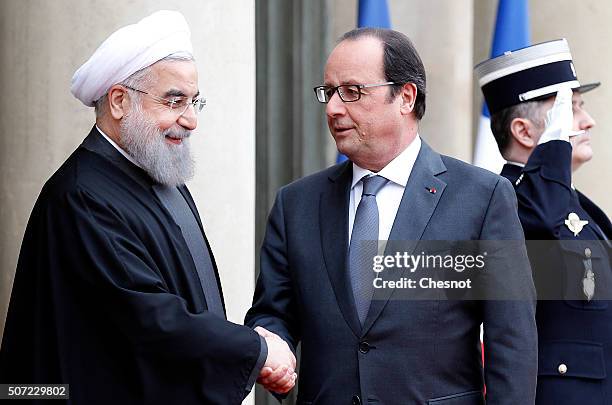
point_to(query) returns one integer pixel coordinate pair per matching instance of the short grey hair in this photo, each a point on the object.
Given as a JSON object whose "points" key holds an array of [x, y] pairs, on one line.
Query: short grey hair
{"points": [[501, 121], [139, 80]]}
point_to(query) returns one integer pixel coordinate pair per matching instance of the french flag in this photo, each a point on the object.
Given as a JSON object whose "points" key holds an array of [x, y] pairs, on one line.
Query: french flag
{"points": [[511, 32]]}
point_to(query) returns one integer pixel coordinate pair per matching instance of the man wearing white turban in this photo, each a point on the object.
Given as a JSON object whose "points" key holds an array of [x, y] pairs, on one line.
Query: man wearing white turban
{"points": [[116, 291]]}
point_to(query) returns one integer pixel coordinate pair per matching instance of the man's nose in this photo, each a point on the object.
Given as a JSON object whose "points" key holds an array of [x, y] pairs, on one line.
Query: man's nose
{"points": [[585, 122], [188, 119], [335, 106]]}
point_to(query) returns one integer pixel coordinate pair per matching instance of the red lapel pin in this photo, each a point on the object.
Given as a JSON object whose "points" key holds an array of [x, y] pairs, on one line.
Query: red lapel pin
{"points": [[432, 190]]}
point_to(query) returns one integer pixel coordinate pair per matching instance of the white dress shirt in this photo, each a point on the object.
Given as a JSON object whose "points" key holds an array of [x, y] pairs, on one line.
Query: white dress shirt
{"points": [[124, 153], [389, 197], [511, 162]]}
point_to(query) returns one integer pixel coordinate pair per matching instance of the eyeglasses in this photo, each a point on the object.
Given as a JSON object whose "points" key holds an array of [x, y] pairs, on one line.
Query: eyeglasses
{"points": [[177, 104], [347, 92]]}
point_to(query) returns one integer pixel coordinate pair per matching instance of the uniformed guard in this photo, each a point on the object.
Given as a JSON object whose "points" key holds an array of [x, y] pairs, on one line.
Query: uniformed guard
{"points": [[543, 131]]}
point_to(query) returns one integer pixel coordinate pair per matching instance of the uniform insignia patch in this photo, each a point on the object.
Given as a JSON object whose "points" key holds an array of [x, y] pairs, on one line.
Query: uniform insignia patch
{"points": [[574, 223]]}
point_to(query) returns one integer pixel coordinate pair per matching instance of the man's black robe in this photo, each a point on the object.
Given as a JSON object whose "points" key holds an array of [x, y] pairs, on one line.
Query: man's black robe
{"points": [[106, 296]]}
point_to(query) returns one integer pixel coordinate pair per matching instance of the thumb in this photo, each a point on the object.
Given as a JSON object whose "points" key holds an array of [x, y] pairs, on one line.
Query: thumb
{"points": [[264, 332]]}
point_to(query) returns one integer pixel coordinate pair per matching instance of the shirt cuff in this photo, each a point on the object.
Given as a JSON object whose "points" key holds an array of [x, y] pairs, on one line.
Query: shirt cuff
{"points": [[261, 360]]}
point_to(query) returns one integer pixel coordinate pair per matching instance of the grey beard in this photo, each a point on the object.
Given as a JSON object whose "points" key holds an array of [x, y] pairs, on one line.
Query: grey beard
{"points": [[167, 164]]}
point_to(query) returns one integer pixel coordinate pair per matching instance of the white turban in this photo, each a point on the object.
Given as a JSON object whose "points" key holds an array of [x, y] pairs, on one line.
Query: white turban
{"points": [[130, 49]]}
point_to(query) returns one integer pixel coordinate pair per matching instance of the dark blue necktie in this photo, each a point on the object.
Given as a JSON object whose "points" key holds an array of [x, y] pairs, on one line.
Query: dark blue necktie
{"points": [[364, 244]]}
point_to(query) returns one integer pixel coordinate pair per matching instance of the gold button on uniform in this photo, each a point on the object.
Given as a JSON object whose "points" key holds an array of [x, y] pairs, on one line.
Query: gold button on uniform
{"points": [[562, 368]]}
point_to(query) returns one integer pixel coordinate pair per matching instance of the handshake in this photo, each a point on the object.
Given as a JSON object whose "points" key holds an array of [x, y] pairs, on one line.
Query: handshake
{"points": [[278, 373]]}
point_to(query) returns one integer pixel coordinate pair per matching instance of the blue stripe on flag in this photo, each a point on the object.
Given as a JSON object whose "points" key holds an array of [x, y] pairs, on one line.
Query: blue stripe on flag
{"points": [[373, 13], [511, 32]]}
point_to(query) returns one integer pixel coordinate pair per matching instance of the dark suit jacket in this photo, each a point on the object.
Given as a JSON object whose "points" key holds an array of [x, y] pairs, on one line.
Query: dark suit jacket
{"points": [[107, 299], [572, 330], [407, 352]]}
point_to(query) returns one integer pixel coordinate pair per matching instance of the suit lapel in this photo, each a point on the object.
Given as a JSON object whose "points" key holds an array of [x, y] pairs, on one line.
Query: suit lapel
{"points": [[414, 213], [333, 217], [187, 196]]}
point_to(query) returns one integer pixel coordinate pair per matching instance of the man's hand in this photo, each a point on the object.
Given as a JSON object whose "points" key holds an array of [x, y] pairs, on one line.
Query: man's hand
{"points": [[278, 373], [560, 118]]}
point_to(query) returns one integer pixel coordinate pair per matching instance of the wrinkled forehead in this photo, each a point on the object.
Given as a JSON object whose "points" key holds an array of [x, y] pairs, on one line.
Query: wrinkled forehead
{"points": [[175, 76], [355, 61]]}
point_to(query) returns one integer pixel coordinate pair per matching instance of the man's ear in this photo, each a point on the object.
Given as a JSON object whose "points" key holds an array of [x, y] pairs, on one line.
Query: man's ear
{"points": [[118, 101], [408, 94], [525, 132]]}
